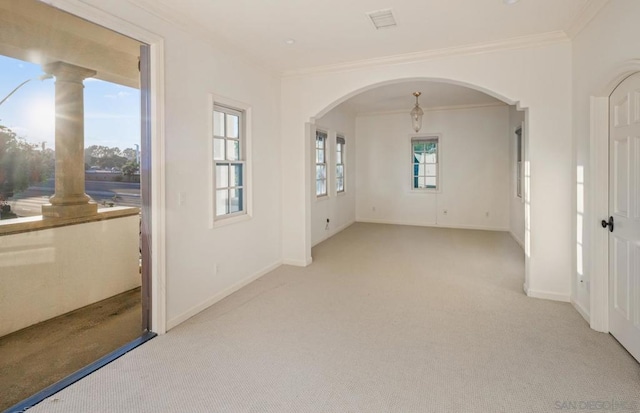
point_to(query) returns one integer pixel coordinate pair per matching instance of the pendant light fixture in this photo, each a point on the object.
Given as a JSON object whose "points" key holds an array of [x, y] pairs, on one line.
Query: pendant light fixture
{"points": [[416, 114]]}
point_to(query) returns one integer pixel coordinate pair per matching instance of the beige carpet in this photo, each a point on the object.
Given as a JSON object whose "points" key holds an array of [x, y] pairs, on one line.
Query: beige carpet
{"points": [[387, 319]]}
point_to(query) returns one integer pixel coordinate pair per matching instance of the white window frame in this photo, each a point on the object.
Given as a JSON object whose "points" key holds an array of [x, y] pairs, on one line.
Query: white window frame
{"points": [[325, 163], [234, 107], [426, 137], [343, 152], [519, 162]]}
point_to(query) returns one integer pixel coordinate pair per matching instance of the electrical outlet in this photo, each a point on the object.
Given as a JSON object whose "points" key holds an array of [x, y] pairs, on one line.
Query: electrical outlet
{"points": [[327, 220]]}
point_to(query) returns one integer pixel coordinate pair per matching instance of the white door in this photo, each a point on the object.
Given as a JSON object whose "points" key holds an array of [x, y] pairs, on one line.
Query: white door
{"points": [[624, 209]]}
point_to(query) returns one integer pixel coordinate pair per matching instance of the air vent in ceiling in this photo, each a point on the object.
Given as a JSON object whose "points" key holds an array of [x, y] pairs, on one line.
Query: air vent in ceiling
{"points": [[382, 19]]}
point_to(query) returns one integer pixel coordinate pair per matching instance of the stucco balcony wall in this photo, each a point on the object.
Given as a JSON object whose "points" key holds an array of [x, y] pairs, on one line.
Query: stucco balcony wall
{"points": [[49, 267]]}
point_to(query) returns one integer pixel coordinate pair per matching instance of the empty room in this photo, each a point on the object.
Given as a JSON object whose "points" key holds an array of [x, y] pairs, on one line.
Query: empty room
{"points": [[364, 206]]}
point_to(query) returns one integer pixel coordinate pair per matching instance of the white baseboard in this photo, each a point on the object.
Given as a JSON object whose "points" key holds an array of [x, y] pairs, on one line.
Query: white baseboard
{"points": [[548, 295], [518, 240], [297, 263], [334, 232], [433, 225], [222, 294], [583, 311]]}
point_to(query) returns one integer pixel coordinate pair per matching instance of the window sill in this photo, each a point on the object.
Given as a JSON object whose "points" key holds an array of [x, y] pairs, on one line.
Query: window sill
{"points": [[223, 222], [424, 191], [343, 193], [322, 198]]}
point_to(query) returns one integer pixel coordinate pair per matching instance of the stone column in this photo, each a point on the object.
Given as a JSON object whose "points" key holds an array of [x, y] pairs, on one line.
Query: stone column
{"points": [[69, 200]]}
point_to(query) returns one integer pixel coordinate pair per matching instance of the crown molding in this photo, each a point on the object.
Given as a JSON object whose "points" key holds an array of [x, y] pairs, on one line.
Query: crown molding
{"points": [[432, 109], [523, 42], [584, 16]]}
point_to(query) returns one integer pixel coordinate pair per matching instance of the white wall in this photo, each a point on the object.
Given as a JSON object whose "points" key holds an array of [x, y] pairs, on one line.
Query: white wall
{"points": [[204, 264], [340, 209], [474, 169], [537, 77], [47, 273], [600, 53], [516, 204]]}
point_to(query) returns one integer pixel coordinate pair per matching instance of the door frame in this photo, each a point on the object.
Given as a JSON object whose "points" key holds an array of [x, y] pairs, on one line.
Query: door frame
{"points": [[599, 194], [102, 17]]}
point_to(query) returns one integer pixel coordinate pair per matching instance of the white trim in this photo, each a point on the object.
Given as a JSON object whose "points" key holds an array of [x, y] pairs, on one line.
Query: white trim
{"points": [[246, 150], [432, 225], [580, 309], [518, 240], [221, 295], [297, 263], [548, 295], [334, 232], [326, 163], [523, 42], [599, 202], [584, 16], [158, 202], [425, 191], [434, 109]]}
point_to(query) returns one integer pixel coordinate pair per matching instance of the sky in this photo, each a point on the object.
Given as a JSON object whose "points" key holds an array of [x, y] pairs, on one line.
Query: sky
{"points": [[112, 112]]}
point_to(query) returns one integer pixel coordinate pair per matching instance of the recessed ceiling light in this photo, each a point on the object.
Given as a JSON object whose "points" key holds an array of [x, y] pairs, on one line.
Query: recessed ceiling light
{"points": [[382, 19], [290, 41], [510, 1]]}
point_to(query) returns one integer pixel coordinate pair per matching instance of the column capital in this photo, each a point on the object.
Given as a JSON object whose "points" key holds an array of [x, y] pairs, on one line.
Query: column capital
{"points": [[68, 72]]}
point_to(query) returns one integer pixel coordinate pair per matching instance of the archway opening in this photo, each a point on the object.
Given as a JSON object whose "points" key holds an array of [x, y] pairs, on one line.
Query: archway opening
{"points": [[467, 167]]}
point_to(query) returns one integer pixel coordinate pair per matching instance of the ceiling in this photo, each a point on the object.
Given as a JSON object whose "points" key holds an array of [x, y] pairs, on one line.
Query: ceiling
{"points": [[399, 97], [38, 33], [330, 32]]}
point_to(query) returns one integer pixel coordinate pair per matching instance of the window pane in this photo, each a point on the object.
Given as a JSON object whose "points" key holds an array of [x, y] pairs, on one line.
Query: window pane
{"points": [[235, 175], [233, 150], [418, 147], [321, 172], [321, 187], [338, 157], [339, 171], [222, 176], [235, 200], [218, 149], [340, 185], [233, 122], [218, 123], [421, 182], [319, 142], [430, 158], [319, 155], [430, 181], [429, 169], [222, 202]]}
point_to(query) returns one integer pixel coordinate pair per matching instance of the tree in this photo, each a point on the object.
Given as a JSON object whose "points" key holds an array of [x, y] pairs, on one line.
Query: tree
{"points": [[104, 157], [21, 165], [130, 168]]}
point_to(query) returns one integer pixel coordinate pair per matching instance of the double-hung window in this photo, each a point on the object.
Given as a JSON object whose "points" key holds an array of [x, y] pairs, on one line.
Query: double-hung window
{"points": [[229, 160], [340, 146], [321, 163], [519, 162], [425, 157]]}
